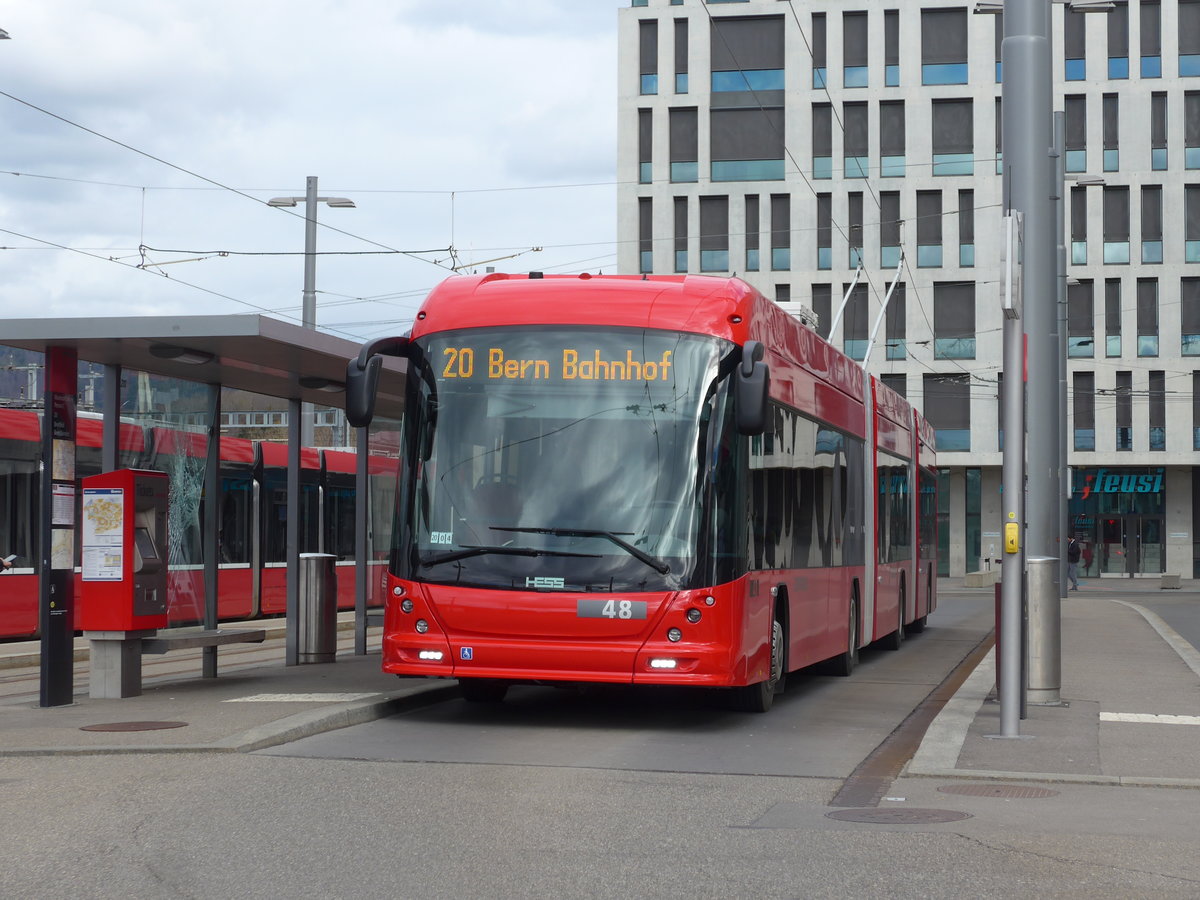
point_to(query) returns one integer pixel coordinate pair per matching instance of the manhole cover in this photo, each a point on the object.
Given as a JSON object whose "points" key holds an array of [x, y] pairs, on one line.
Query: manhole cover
{"points": [[1006, 791], [133, 726], [897, 816]]}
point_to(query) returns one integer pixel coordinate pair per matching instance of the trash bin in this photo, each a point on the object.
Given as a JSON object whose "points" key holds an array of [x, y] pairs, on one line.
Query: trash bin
{"points": [[317, 632]]}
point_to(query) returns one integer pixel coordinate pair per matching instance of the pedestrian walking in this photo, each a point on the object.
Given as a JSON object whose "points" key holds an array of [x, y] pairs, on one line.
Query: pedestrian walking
{"points": [[1073, 554]]}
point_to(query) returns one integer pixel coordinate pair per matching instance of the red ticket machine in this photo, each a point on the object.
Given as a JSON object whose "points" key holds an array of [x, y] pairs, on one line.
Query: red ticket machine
{"points": [[124, 543]]}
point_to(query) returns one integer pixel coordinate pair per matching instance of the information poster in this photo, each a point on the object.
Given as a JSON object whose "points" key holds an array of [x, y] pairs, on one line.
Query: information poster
{"points": [[103, 518]]}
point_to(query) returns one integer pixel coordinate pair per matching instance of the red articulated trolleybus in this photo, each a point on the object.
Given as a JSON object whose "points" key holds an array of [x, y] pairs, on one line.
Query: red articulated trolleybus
{"points": [[646, 480]]}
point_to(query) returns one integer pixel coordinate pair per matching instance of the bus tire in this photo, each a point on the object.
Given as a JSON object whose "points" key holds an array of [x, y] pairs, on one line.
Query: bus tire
{"points": [[843, 664], [759, 697], [482, 690], [894, 640]]}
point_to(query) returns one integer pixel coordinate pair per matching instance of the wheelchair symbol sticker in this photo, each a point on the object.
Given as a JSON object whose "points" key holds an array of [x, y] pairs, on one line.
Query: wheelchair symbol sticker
{"points": [[466, 653]]}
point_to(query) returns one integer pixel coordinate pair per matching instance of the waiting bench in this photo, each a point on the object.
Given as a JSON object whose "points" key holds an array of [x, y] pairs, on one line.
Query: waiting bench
{"points": [[116, 656]]}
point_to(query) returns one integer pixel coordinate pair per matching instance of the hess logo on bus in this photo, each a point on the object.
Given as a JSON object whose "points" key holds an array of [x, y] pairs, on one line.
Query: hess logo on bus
{"points": [[543, 582]]}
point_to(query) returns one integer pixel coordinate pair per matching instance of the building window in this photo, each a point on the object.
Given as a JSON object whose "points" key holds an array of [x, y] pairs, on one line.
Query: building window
{"points": [[1158, 131], [1116, 226], [819, 78], [645, 146], [1147, 316], [645, 235], [822, 141], [954, 320], [1110, 111], [1191, 130], [681, 234], [1151, 38], [894, 326], [1074, 46], [1189, 38], [1118, 42], [1112, 317], [1189, 316], [648, 56], [1081, 333], [891, 138], [999, 41], [947, 407], [681, 56], [685, 153], [781, 232], [822, 307], [889, 229], [1195, 420], [714, 234], [944, 46], [746, 144], [1075, 122], [1079, 223], [1083, 403], [752, 230], [953, 137], [999, 137], [1191, 223], [855, 327], [1152, 246], [854, 205], [929, 229], [854, 50], [1124, 412], [856, 142], [897, 382], [824, 231], [1158, 411], [891, 48], [966, 229]]}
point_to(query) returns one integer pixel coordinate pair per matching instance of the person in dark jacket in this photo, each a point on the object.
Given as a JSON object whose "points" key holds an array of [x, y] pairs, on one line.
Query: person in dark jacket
{"points": [[1073, 554]]}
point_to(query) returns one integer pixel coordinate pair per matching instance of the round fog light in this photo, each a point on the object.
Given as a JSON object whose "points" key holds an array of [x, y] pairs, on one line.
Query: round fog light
{"points": [[674, 635], [422, 626], [709, 601], [693, 616], [398, 590], [406, 605]]}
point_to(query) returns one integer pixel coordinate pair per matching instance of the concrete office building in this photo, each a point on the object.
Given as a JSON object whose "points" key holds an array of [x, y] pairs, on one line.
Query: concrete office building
{"points": [[787, 142]]}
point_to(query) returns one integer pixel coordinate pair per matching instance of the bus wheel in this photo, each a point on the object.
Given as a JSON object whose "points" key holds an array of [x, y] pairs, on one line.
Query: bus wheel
{"points": [[844, 664], [482, 690], [759, 697], [896, 638], [916, 626]]}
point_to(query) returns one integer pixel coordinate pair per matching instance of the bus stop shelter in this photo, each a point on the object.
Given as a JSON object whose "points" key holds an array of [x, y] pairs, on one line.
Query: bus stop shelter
{"points": [[246, 352]]}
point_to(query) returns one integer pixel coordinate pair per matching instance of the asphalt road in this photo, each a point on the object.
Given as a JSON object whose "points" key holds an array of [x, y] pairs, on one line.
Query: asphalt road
{"points": [[604, 795]]}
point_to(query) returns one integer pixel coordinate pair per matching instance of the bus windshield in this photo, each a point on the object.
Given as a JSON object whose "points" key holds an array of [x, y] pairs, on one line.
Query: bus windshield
{"points": [[562, 459]]}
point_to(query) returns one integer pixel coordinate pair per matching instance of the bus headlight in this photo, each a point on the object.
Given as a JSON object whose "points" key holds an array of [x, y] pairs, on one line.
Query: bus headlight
{"points": [[422, 626], [407, 605], [674, 635], [693, 615]]}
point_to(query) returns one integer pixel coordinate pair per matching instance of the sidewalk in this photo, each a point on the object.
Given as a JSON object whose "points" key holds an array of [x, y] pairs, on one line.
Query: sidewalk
{"points": [[246, 708], [1131, 688]]}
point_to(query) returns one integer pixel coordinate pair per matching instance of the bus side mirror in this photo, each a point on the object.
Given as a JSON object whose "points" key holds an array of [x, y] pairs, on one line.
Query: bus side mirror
{"points": [[362, 378], [752, 383]]}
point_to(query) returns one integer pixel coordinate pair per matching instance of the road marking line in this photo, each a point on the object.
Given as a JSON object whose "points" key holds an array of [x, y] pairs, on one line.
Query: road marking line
{"points": [[1149, 718], [300, 698]]}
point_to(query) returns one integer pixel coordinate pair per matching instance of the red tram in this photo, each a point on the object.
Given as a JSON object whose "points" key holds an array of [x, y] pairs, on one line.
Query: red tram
{"points": [[253, 509]]}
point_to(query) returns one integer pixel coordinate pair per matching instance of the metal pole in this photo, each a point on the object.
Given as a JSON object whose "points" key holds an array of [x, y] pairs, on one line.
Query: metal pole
{"points": [[1060, 224], [292, 624], [309, 310], [1011, 568], [1027, 143], [212, 532], [1045, 637], [110, 453], [362, 499]]}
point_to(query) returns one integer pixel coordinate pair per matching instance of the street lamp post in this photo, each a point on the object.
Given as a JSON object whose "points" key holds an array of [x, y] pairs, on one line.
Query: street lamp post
{"points": [[309, 297]]}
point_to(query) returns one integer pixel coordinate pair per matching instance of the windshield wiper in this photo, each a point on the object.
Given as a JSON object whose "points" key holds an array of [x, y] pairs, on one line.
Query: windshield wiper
{"points": [[480, 550], [652, 561]]}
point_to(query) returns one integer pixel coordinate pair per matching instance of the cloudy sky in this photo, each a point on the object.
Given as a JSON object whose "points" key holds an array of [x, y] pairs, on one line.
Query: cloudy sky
{"points": [[486, 126]]}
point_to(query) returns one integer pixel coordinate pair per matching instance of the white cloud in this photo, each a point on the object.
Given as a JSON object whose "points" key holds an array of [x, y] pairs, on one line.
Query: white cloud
{"points": [[396, 104]]}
